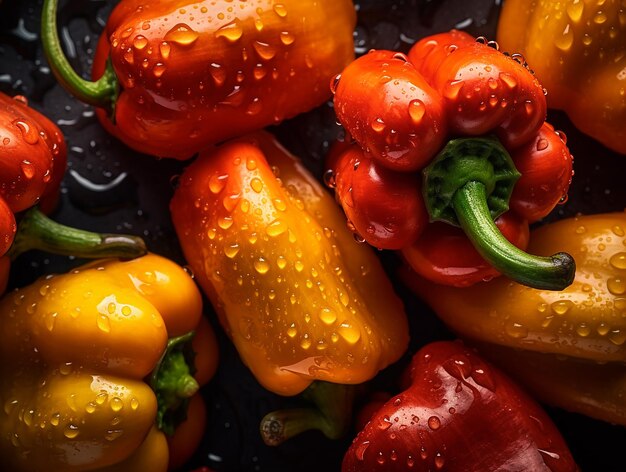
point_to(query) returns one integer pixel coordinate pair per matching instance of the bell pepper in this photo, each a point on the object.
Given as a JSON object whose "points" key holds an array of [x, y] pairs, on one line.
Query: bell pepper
{"points": [[459, 414], [90, 379], [454, 133], [173, 77], [300, 299], [34, 157], [578, 50], [583, 322]]}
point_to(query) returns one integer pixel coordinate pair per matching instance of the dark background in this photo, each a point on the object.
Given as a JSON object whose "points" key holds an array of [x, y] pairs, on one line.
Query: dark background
{"points": [[132, 191]]}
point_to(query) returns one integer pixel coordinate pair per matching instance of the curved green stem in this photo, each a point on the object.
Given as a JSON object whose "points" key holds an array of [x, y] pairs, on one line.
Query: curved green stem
{"points": [[173, 382], [101, 93], [330, 414], [551, 273], [37, 231]]}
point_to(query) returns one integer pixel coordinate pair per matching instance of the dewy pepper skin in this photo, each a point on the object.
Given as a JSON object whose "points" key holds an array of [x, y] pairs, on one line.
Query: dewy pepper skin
{"points": [[301, 300], [174, 76], [90, 379], [454, 133], [577, 336], [459, 414], [34, 157], [577, 48]]}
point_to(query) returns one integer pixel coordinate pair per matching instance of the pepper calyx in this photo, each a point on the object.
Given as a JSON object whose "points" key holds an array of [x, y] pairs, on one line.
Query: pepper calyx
{"points": [[466, 160], [173, 383]]}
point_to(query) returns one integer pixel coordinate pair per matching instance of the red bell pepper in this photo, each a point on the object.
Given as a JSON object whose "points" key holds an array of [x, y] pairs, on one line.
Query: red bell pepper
{"points": [[454, 132], [34, 156], [459, 414], [172, 77]]}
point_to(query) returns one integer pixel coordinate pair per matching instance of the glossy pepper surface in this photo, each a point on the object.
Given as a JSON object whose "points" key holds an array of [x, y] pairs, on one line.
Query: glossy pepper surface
{"points": [[584, 322], [577, 48], [34, 157], [176, 76], [79, 348], [299, 298], [454, 132], [459, 414]]}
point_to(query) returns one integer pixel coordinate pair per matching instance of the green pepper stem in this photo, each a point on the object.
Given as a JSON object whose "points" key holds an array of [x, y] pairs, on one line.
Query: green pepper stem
{"points": [[550, 273], [330, 414], [101, 93], [37, 231], [173, 383]]}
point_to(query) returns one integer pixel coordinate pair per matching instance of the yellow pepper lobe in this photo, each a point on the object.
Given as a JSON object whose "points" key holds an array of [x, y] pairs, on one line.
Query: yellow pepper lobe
{"points": [[577, 49], [298, 296], [79, 345], [587, 320]]}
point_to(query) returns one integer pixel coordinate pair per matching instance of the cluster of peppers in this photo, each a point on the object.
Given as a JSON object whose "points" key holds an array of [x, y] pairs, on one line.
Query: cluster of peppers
{"points": [[454, 132]]}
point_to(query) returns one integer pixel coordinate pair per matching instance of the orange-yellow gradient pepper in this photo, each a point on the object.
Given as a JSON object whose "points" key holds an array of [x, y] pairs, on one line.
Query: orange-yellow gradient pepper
{"points": [[76, 354], [301, 300], [585, 322], [577, 49]]}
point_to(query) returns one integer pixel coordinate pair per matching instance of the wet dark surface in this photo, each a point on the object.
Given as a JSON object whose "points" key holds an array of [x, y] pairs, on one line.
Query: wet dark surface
{"points": [[111, 188]]}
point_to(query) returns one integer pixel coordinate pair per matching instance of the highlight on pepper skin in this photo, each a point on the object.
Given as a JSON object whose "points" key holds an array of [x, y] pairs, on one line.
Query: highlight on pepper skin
{"points": [[78, 349]]}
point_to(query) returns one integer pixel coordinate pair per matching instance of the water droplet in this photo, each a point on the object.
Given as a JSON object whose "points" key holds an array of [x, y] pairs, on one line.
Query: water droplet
{"points": [[264, 50], [565, 40], [165, 49], [583, 330], [126, 310], [140, 42], [617, 337], [508, 79], [134, 403], [217, 183], [561, 307], [292, 331], [329, 178], [600, 17], [55, 419], [434, 423], [116, 404], [350, 334], [113, 434], [306, 342], [50, 320], [334, 83], [328, 316], [256, 184], [225, 222], [231, 31], [71, 431], [104, 324], [452, 89], [575, 10], [261, 266], [516, 330], [231, 250], [360, 450], [542, 144], [280, 10], [158, 70], [618, 260], [417, 109], [90, 407], [182, 35], [287, 38], [276, 228], [101, 398], [29, 133], [529, 107], [616, 285], [378, 125], [439, 461]]}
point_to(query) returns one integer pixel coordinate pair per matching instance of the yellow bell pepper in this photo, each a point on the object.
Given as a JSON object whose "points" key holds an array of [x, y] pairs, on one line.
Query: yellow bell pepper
{"points": [[77, 350], [585, 322], [577, 49], [301, 300]]}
